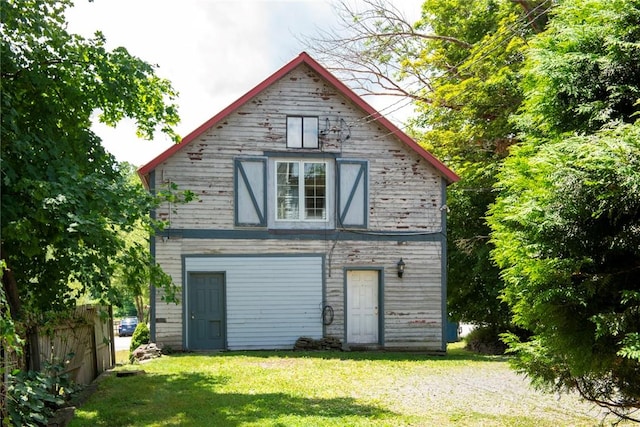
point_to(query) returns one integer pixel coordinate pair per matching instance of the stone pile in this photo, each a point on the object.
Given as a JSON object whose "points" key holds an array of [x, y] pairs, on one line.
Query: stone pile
{"points": [[327, 343], [146, 352]]}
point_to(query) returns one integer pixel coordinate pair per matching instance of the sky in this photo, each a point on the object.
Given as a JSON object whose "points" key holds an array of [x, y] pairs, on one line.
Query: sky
{"points": [[212, 51]]}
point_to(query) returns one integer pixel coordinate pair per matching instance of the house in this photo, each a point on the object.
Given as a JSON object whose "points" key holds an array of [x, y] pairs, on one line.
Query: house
{"points": [[316, 217]]}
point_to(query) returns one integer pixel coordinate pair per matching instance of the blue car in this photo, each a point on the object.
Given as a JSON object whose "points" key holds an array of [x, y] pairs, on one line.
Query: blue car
{"points": [[127, 326]]}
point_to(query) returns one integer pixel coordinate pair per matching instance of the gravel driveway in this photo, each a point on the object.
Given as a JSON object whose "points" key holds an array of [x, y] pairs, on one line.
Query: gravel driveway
{"points": [[498, 392], [122, 343]]}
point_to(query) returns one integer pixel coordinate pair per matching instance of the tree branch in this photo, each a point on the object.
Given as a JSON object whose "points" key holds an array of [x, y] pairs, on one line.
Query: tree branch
{"points": [[378, 37]]}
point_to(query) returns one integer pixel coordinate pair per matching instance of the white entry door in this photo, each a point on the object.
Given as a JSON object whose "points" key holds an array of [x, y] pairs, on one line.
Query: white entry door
{"points": [[362, 307]]}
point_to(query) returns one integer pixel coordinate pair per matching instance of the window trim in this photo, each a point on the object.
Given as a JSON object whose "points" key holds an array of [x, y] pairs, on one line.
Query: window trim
{"points": [[301, 192], [315, 144]]}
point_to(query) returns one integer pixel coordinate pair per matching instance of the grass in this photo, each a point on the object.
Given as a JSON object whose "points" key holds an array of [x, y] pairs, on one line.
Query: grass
{"points": [[323, 389], [122, 357]]}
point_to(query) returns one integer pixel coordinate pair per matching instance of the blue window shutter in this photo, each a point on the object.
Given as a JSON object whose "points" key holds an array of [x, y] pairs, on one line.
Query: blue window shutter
{"points": [[250, 182], [353, 194]]}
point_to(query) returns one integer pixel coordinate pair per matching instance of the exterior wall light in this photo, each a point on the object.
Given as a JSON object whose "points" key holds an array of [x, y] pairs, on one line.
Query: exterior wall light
{"points": [[400, 267]]}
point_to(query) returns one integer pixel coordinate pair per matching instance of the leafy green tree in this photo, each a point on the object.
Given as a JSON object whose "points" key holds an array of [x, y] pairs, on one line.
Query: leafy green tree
{"points": [[135, 269], [10, 345], [566, 225], [65, 200], [460, 66], [465, 111], [126, 307]]}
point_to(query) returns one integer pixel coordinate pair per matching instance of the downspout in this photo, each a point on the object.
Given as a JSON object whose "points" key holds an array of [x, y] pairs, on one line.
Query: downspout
{"points": [[443, 244]]}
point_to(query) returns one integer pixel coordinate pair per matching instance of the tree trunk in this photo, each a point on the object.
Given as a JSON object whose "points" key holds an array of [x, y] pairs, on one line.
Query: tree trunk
{"points": [[10, 288], [140, 308]]}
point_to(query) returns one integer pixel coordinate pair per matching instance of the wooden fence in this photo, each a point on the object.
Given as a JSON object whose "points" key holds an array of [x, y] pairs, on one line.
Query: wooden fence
{"points": [[84, 343]]}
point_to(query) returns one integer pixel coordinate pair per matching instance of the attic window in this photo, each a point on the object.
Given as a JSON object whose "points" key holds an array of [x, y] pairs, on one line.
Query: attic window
{"points": [[302, 132]]}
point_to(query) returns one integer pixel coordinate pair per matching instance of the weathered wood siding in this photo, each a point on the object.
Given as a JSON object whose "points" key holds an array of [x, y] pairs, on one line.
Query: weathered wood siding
{"points": [[405, 195], [404, 191], [412, 304]]}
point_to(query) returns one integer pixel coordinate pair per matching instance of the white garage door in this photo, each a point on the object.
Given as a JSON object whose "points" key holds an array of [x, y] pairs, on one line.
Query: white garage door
{"points": [[270, 301]]}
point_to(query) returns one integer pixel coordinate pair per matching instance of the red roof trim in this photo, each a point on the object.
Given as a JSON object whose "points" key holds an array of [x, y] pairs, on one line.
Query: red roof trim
{"points": [[344, 89]]}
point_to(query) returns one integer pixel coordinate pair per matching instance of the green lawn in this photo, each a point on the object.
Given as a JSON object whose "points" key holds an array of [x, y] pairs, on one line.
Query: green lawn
{"points": [[326, 389]]}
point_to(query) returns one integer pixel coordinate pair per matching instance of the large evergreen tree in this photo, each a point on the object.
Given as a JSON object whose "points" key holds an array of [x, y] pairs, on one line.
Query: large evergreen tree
{"points": [[566, 224]]}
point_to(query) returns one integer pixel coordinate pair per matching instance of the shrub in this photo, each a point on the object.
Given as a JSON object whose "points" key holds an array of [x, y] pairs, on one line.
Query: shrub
{"points": [[485, 340], [140, 336], [32, 396]]}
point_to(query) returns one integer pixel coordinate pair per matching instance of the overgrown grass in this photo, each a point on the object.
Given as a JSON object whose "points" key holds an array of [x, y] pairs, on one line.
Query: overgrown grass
{"points": [[323, 389]]}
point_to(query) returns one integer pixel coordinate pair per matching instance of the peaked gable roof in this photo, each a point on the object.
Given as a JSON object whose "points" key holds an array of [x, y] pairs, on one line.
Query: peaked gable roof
{"points": [[303, 58]]}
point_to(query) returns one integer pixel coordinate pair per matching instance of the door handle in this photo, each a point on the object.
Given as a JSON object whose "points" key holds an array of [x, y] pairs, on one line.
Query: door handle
{"points": [[376, 310], [193, 316]]}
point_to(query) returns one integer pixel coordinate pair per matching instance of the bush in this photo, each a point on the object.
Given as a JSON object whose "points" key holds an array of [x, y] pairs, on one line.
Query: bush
{"points": [[485, 340], [32, 397], [140, 336]]}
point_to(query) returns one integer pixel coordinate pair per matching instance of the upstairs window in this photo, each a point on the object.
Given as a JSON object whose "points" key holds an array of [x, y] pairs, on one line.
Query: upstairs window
{"points": [[301, 191], [302, 132], [309, 192]]}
